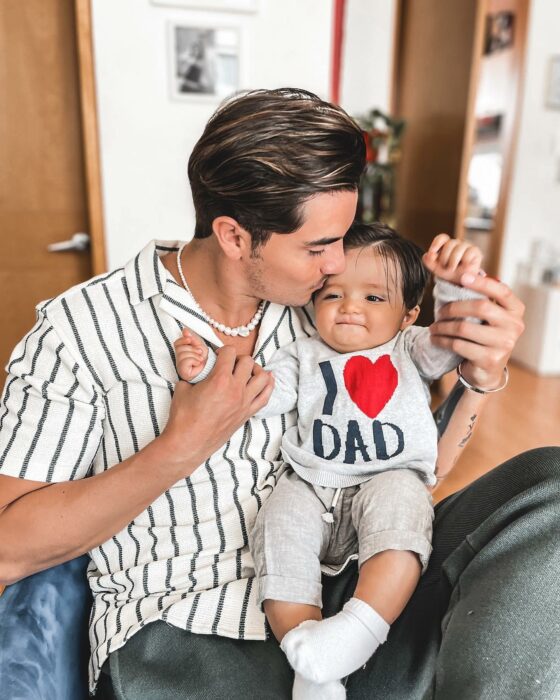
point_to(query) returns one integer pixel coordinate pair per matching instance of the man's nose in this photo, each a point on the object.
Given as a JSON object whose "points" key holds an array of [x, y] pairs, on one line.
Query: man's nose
{"points": [[334, 262]]}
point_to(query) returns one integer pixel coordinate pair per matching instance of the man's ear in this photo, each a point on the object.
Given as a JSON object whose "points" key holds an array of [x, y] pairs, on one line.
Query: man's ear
{"points": [[410, 317], [232, 238]]}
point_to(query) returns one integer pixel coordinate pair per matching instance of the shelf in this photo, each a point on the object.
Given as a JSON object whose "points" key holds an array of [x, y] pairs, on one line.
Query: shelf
{"points": [[473, 223]]}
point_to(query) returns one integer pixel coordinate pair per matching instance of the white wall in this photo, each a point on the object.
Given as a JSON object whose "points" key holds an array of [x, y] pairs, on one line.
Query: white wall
{"points": [[367, 55], [146, 137], [534, 202]]}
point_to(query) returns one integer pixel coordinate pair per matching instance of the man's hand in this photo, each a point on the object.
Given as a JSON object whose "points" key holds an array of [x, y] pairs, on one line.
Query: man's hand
{"points": [[191, 353], [204, 416], [487, 345], [45, 524], [449, 258]]}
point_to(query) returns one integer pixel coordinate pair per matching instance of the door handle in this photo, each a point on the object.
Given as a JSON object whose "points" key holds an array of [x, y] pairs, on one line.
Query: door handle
{"points": [[79, 242]]}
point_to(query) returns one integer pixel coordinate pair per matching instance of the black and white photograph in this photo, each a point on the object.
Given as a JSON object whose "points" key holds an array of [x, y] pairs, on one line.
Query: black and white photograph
{"points": [[499, 32], [204, 61]]}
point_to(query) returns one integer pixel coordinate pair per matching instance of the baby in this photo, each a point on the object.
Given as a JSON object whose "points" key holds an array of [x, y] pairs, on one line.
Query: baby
{"points": [[359, 460]]}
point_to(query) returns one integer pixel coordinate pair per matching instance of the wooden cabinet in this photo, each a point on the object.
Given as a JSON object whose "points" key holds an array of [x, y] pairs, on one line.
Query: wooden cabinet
{"points": [[457, 81]]}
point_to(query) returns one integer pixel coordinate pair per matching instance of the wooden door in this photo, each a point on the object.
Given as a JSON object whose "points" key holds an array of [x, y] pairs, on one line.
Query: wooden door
{"points": [[491, 130], [433, 55], [449, 85], [42, 173], [432, 70]]}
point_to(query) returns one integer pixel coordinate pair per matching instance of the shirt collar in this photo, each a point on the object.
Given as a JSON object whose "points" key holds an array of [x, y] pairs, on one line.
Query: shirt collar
{"points": [[146, 277], [145, 274]]}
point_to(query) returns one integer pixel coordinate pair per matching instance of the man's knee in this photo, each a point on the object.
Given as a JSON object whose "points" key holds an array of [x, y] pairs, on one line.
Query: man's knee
{"points": [[536, 466]]}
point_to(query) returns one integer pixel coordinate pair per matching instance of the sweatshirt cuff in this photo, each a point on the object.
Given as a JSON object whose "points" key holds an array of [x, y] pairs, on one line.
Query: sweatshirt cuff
{"points": [[445, 292]]}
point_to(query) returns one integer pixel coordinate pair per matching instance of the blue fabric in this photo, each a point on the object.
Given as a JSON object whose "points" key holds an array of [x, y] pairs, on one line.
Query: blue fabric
{"points": [[43, 635]]}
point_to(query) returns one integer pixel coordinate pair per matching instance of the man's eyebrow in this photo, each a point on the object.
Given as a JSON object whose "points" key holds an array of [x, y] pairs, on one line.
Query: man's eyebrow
{"points": [[323, 241]]}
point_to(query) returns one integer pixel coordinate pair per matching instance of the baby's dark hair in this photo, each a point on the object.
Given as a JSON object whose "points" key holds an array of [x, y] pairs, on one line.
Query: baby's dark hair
{"points": [[405, 256]]}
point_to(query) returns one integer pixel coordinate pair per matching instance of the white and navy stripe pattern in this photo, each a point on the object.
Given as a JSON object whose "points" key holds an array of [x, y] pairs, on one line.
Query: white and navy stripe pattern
{"points": [[89, 386]]}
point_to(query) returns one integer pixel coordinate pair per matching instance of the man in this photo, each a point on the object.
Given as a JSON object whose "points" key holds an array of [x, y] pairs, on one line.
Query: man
{"points": [[176, 472]]}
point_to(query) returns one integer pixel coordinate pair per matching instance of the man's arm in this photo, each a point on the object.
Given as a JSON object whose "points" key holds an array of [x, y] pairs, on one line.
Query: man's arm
{"points": [[456, 419], [486, 347], [47, 524]]}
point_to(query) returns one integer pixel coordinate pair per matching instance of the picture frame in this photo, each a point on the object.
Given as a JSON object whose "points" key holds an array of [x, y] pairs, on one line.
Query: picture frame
{"points": [[246, 6], [553, 84], [203, 61], [499, 32]]}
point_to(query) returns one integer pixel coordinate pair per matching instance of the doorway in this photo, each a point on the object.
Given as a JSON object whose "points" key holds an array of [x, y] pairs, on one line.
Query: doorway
{"points": [[49, 180]]}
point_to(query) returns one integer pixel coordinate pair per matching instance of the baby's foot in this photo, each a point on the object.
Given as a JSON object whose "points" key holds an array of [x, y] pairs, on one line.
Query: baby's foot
{"points": [[307, 690], [337, 646]]}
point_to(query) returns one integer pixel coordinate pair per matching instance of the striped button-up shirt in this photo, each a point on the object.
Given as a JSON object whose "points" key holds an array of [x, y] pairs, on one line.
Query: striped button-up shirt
{"points": [[89, 386]]}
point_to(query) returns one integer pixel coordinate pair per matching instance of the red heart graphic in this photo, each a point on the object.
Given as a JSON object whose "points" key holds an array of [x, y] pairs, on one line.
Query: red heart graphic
{"points": [[370, 384]]}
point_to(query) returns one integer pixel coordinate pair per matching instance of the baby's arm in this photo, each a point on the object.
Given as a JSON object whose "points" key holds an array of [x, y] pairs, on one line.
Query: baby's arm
{"points": [[448, 259], [284, 366], [195, 361]]}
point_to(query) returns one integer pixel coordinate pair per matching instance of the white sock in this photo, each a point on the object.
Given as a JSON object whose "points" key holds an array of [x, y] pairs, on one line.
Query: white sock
{"points": [[335, 647], [307, 690]]}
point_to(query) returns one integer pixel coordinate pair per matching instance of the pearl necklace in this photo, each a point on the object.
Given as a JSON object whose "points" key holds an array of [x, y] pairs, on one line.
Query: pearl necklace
{"points": [[243, 331]]}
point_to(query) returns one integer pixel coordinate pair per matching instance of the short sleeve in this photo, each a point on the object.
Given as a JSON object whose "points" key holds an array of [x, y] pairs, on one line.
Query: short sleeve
{"points": [[51, 413]]}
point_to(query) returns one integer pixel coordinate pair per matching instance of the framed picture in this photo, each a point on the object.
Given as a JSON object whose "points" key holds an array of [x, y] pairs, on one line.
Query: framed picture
{"points": [[499, 32], [203, 62], [553, 87], [221, 5]]}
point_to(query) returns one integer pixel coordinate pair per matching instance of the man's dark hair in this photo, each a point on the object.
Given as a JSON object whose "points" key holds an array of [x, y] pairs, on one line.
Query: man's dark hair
{"points": [[404, 255], [264, 153]]}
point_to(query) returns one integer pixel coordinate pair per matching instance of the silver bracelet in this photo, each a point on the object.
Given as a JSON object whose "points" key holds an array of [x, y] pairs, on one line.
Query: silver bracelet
{"points": [[477, 389]]}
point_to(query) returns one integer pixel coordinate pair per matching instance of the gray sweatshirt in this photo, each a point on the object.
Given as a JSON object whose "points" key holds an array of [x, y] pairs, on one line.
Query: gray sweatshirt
{"points": [[359, 413]]}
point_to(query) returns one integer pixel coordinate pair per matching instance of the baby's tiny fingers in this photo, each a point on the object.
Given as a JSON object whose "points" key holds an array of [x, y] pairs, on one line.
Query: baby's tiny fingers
{"points": [[188, 355], [430, 256], [446, 252], [182, 349], [457, 256], [439, 241], [184, 341], [472, 257]]}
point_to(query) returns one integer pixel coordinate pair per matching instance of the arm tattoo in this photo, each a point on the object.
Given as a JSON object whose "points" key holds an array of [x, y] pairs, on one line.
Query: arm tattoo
{"points": [[470, 430]]}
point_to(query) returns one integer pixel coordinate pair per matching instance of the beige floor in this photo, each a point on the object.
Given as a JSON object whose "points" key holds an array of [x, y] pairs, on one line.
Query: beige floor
{"points": [[523, 416]]}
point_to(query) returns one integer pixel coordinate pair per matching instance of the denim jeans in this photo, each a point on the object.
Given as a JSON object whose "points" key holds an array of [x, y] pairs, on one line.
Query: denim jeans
{"points": [[44, 647], [483, 624]]}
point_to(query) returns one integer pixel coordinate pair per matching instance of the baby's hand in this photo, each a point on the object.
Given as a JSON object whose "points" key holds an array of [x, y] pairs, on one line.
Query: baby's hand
{"points": [[449, 258], [191, 353]]}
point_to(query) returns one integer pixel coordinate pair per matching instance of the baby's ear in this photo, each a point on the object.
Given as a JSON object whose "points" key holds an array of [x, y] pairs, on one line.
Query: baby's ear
{"points": [[410, 317]]}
